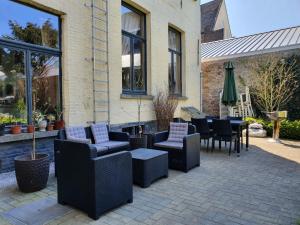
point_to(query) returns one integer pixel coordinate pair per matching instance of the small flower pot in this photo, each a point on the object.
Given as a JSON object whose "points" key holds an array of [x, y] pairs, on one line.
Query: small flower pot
{"points": [[50, 127], [42, 125], [32, 175], [16, 129], [2, 129], [59, 124], [30, 128]]}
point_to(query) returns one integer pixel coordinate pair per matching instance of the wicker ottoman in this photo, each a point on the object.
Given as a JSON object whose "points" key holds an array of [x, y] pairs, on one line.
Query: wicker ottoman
{"points": [[148, 165]]}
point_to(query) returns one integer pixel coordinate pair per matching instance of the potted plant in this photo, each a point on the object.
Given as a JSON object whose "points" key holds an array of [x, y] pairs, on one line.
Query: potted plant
{"points": [[39, 119], [32, 171], [59, 123], [30, 128], [16, 128], [50, 125]]}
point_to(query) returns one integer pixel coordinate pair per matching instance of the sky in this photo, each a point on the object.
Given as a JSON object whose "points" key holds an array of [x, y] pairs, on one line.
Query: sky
{"points": [[255, 16], [22, 14]]}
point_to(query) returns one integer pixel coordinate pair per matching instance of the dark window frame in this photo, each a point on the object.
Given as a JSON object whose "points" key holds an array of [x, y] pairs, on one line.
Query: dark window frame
{"points": [[132, 38], [173, 54], [29, 48]]}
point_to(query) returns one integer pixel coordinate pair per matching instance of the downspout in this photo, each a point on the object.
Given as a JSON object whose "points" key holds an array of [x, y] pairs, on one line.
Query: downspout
{"points": [[107, 74], [94, 62]]}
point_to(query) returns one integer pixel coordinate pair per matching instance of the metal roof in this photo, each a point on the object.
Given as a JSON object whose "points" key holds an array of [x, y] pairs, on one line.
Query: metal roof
{"points": [[267, 42]]}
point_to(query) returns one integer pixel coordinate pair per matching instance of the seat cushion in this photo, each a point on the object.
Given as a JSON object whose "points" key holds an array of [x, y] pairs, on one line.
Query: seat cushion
{"points": [[75, 132], [114, 144], [170, 144], [177, 132], [80, 140], [100, 132]]}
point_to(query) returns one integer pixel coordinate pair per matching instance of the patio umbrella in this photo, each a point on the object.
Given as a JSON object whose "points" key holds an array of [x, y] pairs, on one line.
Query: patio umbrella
{"points": [[229, 97]]}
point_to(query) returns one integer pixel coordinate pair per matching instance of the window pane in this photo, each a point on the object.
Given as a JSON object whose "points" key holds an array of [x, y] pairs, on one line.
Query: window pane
{"points": [[132, 22], [45, 82], [171, 83], [23, 23], [138, 70], [126, 62], [12, 84], [177, 75], [174, 40]]}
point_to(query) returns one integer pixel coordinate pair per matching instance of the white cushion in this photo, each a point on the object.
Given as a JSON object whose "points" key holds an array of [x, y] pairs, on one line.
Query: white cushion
{"points": [[75, 132], [100, 132], [177, 131]]}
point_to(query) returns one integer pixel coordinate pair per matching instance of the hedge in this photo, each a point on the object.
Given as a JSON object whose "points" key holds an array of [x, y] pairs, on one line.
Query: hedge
{"points": [[289, 129]]}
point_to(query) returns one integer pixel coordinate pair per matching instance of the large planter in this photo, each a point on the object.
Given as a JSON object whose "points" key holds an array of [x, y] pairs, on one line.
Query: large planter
{"points": [[32, 175], [276, 117]]}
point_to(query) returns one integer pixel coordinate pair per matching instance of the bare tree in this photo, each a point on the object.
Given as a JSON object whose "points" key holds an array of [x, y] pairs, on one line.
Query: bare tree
{"points": [[164, 107], [274, 83]]}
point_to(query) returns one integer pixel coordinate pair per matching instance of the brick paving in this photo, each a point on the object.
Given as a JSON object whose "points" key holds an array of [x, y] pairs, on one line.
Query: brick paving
{"points": [[256, 188]]}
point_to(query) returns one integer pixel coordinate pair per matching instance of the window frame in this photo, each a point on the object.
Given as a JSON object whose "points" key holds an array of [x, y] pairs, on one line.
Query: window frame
{"points": [[175, 53], [29, 48], [132, 38]]}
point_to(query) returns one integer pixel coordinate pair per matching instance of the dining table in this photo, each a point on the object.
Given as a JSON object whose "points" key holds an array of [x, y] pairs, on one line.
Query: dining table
{"points": [[238, 126]]}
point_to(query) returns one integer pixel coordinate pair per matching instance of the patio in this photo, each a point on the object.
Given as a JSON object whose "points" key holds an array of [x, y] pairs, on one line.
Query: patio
{"points": [[259, 187]]}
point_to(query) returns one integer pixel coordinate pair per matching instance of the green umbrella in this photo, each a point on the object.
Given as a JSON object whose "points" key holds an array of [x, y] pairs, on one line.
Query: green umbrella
{"points": [[229, 92]]}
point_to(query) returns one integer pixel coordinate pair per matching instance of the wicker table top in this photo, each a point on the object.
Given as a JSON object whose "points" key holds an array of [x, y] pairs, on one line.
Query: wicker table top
{"points": [[146, 154]]}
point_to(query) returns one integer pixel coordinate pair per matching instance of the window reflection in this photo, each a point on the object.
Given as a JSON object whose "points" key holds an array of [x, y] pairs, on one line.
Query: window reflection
{"points": [[23, 23], [12, 85], [45, 82]]}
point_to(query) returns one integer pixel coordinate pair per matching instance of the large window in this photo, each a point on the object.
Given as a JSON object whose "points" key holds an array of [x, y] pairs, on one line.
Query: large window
{"points": [[175, 78], [30, 60], [133, 50]]}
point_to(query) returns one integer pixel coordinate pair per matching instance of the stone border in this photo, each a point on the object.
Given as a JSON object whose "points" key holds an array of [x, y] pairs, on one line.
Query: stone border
{"points": [[26, 136]]}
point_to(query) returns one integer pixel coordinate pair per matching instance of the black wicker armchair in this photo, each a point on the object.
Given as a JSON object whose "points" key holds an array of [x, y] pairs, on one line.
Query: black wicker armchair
{"points": [[182, 156], [92, 184]]}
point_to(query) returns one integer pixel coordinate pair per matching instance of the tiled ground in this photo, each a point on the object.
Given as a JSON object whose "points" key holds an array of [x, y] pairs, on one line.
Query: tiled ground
{"points": [[256, 188]]}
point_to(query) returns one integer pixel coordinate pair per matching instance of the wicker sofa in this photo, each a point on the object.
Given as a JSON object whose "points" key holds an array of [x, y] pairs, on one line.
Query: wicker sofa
{"points": [[94, 184], [118, 141], [183, 154]]}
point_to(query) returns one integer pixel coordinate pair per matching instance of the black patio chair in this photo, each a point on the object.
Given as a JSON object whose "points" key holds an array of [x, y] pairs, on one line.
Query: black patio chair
{"points": [[202, 128], [183, 155], [212, 117], [91, 183], [222, 131], [235, 129]]}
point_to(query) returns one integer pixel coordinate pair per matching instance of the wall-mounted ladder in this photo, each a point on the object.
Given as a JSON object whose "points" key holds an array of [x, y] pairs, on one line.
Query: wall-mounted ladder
{"points": [[100, 60]]}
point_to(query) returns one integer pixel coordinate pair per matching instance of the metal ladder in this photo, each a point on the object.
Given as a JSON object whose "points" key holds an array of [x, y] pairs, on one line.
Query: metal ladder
{"points": [[100, 60]]}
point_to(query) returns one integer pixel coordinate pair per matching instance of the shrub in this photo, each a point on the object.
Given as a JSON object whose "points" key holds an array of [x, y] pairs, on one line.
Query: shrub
{"points": [[289, 129]]}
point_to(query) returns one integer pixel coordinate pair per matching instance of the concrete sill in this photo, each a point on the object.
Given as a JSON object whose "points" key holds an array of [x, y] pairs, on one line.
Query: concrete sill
{"points": [[129, 96], [181, 97], [27, 136]]}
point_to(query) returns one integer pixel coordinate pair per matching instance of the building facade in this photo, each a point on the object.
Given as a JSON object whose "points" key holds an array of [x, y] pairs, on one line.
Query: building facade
{"points": [[114, 53]]}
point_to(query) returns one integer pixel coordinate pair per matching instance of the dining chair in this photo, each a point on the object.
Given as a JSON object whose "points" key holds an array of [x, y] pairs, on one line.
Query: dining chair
{"points": [[202, 128], [222, 131]]}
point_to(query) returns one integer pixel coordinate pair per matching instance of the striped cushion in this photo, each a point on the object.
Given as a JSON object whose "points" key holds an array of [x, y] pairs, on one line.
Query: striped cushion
{"points": [[100, 132], [80, 140], [75, 132], [177, 132]]}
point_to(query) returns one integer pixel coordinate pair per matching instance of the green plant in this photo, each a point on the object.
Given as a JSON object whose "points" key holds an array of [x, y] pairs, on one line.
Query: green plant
{"points": [[51, 118], [58, 112], [289, 129]]}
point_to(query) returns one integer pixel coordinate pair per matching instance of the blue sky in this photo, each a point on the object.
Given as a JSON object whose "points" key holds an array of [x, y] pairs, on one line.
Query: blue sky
{"points": [[255, 16], [22, 14]]}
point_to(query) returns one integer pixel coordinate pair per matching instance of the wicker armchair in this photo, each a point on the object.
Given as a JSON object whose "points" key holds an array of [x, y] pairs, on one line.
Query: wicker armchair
{"points": [[183, 155], [92, 184]]}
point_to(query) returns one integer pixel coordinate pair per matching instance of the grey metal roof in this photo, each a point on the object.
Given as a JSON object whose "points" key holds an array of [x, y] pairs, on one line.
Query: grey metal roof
{"points": [[272, 41]]}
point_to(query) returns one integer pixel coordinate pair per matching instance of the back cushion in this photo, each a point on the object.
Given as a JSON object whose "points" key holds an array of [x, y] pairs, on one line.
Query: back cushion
{"points": [[178, 131], [100, 132], [75, 132]]}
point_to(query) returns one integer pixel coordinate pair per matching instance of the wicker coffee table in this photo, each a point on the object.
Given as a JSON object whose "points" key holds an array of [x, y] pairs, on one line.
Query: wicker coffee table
{"points": [[148, 165]]}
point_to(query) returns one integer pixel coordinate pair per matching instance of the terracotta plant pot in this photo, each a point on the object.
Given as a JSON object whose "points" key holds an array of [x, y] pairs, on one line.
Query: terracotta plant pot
{"points": [[50, 127], [59, 124], [30, 128], [16, 129]]}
